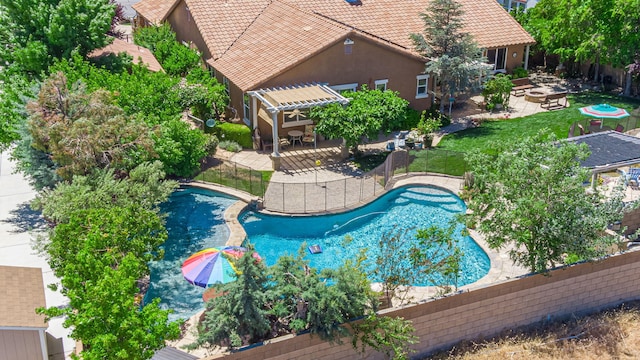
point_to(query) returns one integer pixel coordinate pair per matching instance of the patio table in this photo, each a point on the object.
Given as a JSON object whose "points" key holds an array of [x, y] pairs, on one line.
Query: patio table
{"points": [[296, 135]]}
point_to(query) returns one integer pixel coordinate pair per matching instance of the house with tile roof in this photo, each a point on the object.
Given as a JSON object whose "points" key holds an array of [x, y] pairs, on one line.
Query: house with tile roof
{"points": [[139, 54], [258, 44]]}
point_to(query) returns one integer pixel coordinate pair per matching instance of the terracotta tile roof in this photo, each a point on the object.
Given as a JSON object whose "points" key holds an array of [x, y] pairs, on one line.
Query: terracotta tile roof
{"points": [[490, 27], [254, 40], [222, 22], [155, 11], [22, 292], [394, 20], [138, 52], [281, 37]]}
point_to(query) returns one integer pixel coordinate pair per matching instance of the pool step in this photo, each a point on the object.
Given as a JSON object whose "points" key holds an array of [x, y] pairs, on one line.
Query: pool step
{"points": [[236, 231]]}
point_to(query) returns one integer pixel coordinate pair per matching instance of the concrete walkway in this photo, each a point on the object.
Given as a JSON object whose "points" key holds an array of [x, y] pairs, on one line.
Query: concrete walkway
{"points": [[19, 226]]}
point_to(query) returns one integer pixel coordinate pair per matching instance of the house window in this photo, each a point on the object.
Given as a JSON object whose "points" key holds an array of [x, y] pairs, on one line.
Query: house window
{"points": [[345, 87], [422, 84], [348, 46], [212, 70], [497, 57], [225, 82], [381, 84], [246, 101]]}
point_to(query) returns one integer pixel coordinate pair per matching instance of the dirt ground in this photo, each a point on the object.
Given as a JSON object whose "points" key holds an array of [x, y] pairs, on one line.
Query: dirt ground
{"points": [[610, 334]]}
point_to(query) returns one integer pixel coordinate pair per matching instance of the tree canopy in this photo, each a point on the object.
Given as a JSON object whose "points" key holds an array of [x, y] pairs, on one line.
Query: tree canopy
{"points": [[291, 296], [454, 57], [532, 200], [600, 31], [42, 30], [368, 113]]}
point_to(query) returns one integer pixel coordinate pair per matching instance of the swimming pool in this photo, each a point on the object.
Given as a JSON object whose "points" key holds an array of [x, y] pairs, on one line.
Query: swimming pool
{"points": [[412, 207], [195, 221]]}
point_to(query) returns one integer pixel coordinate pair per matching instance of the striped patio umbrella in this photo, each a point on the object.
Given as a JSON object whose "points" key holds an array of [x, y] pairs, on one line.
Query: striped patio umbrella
{"points": [[604, 111], [213, 265]]}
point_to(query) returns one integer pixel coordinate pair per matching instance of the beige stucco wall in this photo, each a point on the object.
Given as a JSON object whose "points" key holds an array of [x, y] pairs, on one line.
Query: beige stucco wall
{"points": [[184, 26], [514, 62], [487, 311], [368, 61], [20, 345]]}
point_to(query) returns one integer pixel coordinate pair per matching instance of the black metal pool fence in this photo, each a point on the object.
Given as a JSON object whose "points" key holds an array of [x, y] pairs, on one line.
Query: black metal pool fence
{"points": [[336, 195]]}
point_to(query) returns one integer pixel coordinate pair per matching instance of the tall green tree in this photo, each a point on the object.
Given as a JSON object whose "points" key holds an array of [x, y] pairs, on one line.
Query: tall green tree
{"points": [[368, 113], [99, 254], [42, 30], [454, 57], [599, 31], [532, 200], [102, 189], [238, 317]]}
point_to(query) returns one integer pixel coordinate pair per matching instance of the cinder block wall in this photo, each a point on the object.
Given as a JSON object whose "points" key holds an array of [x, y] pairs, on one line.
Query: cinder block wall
{"points": [[487, 311]]}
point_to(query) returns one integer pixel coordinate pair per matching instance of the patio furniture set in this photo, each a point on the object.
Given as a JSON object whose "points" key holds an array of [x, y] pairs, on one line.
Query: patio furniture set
{"points": [[294, 136]]}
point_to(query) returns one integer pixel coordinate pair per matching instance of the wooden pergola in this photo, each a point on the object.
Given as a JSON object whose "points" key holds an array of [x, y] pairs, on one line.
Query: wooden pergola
{"points": [[275, 100]]}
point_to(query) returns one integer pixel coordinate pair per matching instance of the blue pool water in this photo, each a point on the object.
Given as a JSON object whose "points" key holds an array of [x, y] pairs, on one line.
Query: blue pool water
{"points": [[195, 221], [414, 207]]}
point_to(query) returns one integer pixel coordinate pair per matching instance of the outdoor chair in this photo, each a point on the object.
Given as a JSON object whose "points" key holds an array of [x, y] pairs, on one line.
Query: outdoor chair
{"points": [[309, 136], [284, 142], [633, 177], [266, 144], [619, 128]]}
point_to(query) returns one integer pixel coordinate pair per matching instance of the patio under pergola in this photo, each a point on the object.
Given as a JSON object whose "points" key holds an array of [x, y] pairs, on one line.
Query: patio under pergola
{"points": [[273, 102]]}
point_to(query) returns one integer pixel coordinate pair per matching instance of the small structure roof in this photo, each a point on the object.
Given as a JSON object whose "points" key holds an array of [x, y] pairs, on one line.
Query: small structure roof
{"points": [[155, 11], [297, 97], [138, 53], [22, 293], [609, 150], [171, 353]]}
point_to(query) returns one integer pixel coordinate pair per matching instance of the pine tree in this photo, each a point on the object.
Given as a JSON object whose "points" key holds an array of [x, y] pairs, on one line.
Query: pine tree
{"points": [[454, 57]]}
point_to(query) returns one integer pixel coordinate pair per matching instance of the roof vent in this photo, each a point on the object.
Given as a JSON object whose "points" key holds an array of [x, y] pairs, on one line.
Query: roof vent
{"points": [[354, 2]]}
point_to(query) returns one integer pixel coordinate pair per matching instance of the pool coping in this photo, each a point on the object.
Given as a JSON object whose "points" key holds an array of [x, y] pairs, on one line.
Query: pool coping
{"points": [[501, 267]]}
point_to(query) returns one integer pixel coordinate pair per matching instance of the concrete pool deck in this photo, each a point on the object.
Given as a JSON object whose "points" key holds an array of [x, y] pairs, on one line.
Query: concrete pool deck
{"points": [[502, 268]]}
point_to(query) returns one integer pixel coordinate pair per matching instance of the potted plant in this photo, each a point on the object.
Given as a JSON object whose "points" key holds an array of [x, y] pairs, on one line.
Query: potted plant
{"points": [[410, 141], [427, 126], [497, 91]]}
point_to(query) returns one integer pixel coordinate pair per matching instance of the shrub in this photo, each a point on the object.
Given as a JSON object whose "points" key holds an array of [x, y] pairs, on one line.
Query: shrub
{"points": [[519, 73], [230, 146], [496, 91], [239, 133]]}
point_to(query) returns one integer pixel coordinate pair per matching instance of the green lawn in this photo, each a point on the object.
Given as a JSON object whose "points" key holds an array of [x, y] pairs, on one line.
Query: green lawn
{"points": [[558, 121], [437, 161]]}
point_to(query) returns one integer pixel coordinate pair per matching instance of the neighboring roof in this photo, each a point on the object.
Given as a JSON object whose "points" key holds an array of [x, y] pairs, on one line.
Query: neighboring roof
{"points": [[298, 97], [171, 353], [22, 293], [137, 52], [609, 150], [155, 11]]}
